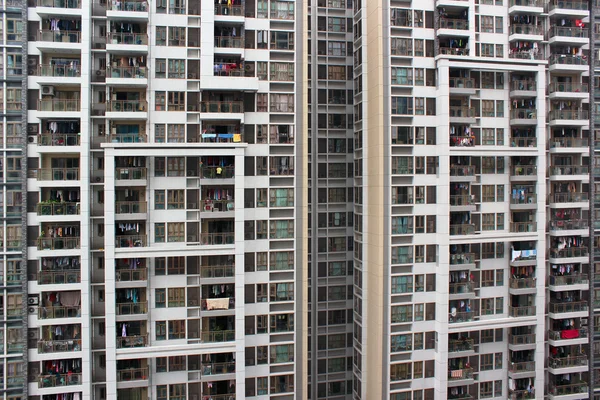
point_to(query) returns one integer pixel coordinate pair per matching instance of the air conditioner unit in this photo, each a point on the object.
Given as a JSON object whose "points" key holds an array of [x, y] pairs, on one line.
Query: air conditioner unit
{"points": [[191, 75], [33, 334], [33, 300], [31, 310], [31, 71], [32, 128], [32, 139], [48, 90]]}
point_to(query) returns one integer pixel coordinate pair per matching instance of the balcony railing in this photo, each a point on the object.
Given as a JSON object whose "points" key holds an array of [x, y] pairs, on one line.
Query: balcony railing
{"points": [[523, 142], [217, 336], [58, 3], [566, 87], [565, 390], [46, 35], [63, 71], [526, 55], [461, 200], [526, 311], [567, 59], [231, 42], [466, 258], [467, 170], [460, 288], [566, 225], [217, 271], [564, 280], [58, 346], [58, 380], [59, 312], [568, 115], [233, 10], [524, 29], [463, 316], [523, 170], [516, 367], [130, 207], [522, 283], [453, 23], [132, 341], [140, 307], [132, 374], [569, 197], [130, 173], [521, 394], [59, 105], [218, 238], [458, 374], [462, 112], [58, 277], [462, 83], [127, 38], [58, 174], [528, 85], [521, 339], [526, 3], [453, 51], [556, 143], [462, 229], [568, 334], [572, 32], [567, 307], [527, 198], [568, 5], [523, 227], [127, 72], [127, 106], [123, 241], [523, 113], [218, 368], [460, 345], [128, 5], [57, 209], [58, 243], [567, 362], [131, 275], [222, 107], [58, 139], [570, 252], [211, 172]]}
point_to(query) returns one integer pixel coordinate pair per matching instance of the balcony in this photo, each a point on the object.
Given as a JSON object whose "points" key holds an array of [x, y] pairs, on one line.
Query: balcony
{"points": [[217, 336], [567, 62], [52, 209], [215, 239], [567, 334], [562, 198], [229, 42], [132, 374], [463, 316], [460, 375], [58, 243], [232, 10], [568, 35], [568, 254], [59, 140], [453, 24], [521, 394], [132, 341], [138, 308], [216, 172], [128, 106], [453, 51], [523, 116], [462, 203], [523, 142], [131, 275], [522, 340], [568, 117], [558, 227], [527, 55], [526, 311], [70, 4], [462, 85], [218, 368], [125, 241], [58, 277], [523, 173], [568, 8], [462, 229], [464, 173], [567, 307], [217, 271], [58, 174], [65, 38], [462, 114], [580, 388], [569, 171], [455, 346], [568, 90], [568, 362], [59, 380], [219, 107], [523, 88], [523, 198], [129, 76], [127, 8], [519, 286], [130, 173], [461, 290], [463, 259], [567, 280], [130, 207], [568, 145], [59, 312], [58, 346], [523, 227], [59, 71], [126, 39], [521, 368], [59, 105], [525, 30], [224, 303], [529, 6]]}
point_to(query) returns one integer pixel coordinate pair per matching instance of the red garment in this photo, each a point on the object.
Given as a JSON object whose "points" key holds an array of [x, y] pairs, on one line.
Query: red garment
{"points": [[569, 334]]}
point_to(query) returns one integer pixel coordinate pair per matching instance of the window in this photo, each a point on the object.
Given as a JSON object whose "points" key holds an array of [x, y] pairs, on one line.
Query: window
{"points": [[282, 102], [282, 40], [402, 284], [176, 166], [176, 36], [175, 232], [159, 199], [500, 221], [486, 363], [175, 199], [160, 133], [281, 291], [281, 260], [160, 101], [261, 102], [487, 108], [159, 232], [176, 101], [488, 193], [176, 69], [14, 30], [176, 133], [485, 390], [161, 330], [499, 305], [177, 329], [13, 99], [402, 314], [161, 35], [176, 297], [402, 105], [176, 363], [337, 49], [282, 354], [160, 298], [280, 71], [161, 366]]}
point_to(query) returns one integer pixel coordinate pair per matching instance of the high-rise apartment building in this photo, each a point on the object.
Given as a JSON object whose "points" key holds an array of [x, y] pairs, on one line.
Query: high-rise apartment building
{"points": [[227, 199], [166, 205]]}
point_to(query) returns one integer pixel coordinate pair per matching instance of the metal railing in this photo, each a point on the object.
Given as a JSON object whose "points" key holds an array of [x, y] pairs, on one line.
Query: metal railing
{"points": [[576, 279], [128, 5], [132, 341], [46, 35], [458, 374], [569, 252], [462, 229], [58, 174], [132, 374], [127, 38], [460, 345], [565, 87], [453, 23], [130, 207], [130, 173], [526, 366], [568, 170], [53, 312], [524, 29], [523, 113], [568, 115], [222, 107], [212, 172], [564, 390], [127, 106], [64, 71], [217, 336], [57, 3], [556, 143], [461, 200], [218, 238], [467, 170], [462, 83], [451, 51], [572, 32], [568, 334], [526, 311], [123, 241], [141, 307], [231, 42], [59, 139], [127, 72], [521, 339], [59, 105], [566, 59], [463, 316], [233, 10], [523, 227], [462, 112], [567, 362], [526, 3], [58, 209], [570, 224], [523, 170], [521, 394], [217, 271], [522, 283], [568, 4], [58, 380], [218, 368], [460, 288], [466, 258], [58, 243], [527, 198], [58, 277], [58, 346], [567, 307], [131, 275], [569, 197], [528, 85]]}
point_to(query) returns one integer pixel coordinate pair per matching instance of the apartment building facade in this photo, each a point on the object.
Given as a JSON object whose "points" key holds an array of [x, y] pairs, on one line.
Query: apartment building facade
{"points": [[165, 205]]}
